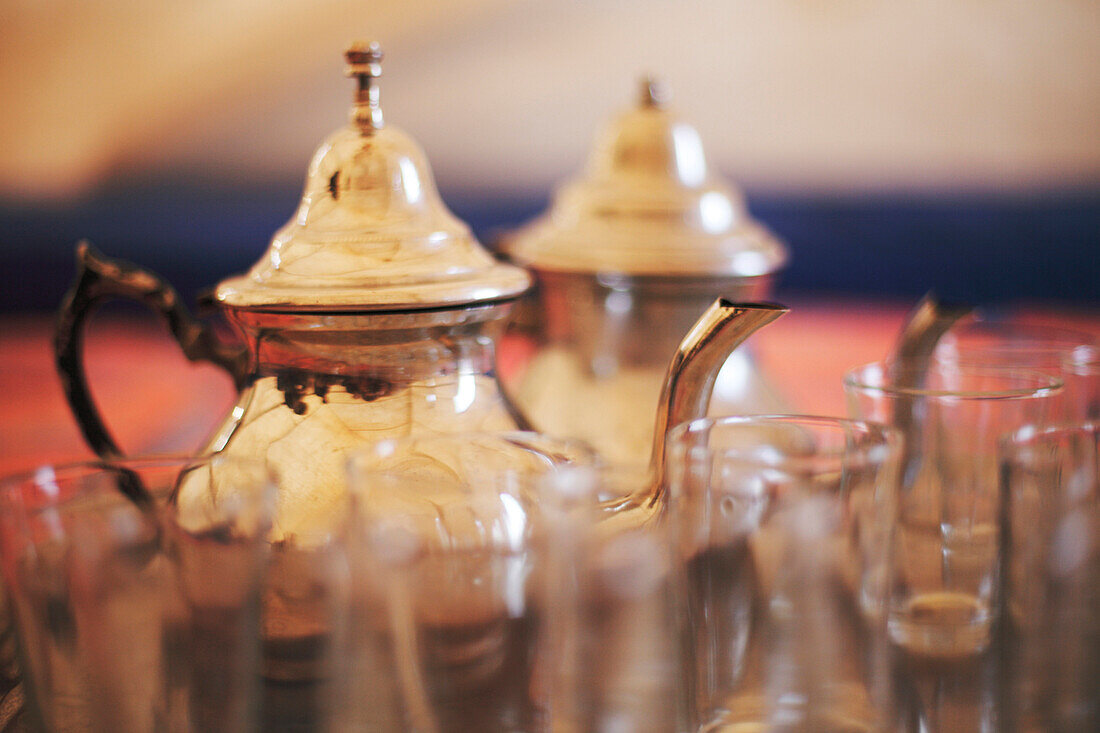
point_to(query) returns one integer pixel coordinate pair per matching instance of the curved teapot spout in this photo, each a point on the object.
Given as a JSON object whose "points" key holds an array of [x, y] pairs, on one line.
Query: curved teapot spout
{"points": [[691, 374]]}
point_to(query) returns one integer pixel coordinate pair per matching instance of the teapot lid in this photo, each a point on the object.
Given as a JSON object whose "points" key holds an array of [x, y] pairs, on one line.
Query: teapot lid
{"points": [[647, 205], [371, 233]]}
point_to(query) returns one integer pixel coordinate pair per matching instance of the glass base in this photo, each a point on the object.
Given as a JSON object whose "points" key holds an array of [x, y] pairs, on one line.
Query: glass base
{"points": [[942, 624]]}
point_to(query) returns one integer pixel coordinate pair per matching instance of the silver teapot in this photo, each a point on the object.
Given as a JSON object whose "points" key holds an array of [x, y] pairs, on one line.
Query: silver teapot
{"points": [[626, 259]]}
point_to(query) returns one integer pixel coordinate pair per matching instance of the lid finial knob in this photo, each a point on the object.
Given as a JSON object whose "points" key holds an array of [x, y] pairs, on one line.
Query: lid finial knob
{"points": [[365, 64], [652, 93]]}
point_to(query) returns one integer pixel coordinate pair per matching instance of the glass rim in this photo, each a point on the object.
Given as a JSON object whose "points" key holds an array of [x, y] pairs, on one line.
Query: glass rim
{"points": [[1042, 384], [888, 440], [94, 464], [79, 469]]}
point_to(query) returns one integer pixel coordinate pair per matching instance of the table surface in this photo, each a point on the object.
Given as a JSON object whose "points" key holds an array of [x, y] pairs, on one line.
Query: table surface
{"points": [[156, 401]]}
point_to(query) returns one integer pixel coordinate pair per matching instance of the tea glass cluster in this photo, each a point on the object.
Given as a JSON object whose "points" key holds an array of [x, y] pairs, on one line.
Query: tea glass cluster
{"points": [[931, 563], [996, 545], [133, 612]]}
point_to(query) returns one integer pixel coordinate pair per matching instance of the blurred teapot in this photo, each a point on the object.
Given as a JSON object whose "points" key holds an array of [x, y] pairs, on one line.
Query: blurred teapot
{"points": [[373, 314], [626, 259]]}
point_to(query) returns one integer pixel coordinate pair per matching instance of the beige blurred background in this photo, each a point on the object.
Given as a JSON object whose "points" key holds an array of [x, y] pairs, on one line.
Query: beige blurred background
{"points": [[835, 95]]}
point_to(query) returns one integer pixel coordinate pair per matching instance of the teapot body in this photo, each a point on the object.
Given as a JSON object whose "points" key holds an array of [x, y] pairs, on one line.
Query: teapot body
{"points": [[324, 386], [603, 345]]}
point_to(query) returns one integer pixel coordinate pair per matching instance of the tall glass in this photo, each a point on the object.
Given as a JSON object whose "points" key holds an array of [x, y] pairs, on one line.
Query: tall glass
{"points": [[446, 610], [1050, 647], [782, 529], [607, 652], [945, 581], [304, 608], [133, 612]]}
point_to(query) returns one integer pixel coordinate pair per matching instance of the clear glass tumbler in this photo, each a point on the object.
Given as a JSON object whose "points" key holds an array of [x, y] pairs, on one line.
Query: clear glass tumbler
{"points": [[446, 609], [782, 532], [607, 653], [1050, 629], [134, 613], [945, 575]]}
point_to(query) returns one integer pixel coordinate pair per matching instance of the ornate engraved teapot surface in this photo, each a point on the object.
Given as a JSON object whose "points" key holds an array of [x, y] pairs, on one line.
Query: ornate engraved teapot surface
{"points": [[626, 259], [373, 314]]}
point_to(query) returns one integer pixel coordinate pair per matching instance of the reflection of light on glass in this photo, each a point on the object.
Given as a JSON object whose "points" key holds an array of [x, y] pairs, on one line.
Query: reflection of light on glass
{"points": [[691, 166], [715, 212], [410, 180], [1071, 544], [513, 523], [619, 303], [510, 531], [464, 393], [46, 481]]}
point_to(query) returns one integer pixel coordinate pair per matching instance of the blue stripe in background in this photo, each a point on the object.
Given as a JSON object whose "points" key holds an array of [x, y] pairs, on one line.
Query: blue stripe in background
{"points": [[987, 248]]}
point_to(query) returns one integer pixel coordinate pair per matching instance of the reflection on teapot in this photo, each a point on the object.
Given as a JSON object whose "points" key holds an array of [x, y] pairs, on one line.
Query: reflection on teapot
{"points": [[626, 259]]}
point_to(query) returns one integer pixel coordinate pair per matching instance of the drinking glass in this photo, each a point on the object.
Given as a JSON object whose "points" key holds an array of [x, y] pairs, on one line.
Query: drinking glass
{"points": [[133, 612], [607, 653], [304, 610], [945, 580], [1050, 628], [445, 608], [781, 529]]}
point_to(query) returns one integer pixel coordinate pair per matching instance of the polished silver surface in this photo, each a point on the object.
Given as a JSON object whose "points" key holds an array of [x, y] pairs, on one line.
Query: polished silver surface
{"points": [[365, 65], [648, 204], [371, 232]]}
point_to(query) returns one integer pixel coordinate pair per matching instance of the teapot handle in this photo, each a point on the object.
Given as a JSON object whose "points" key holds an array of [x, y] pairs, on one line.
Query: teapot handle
{"points": [[100, 279]]}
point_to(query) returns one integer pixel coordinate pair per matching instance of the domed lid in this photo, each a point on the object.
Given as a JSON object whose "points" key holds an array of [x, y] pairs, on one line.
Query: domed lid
{"points": [[647, 205], [371, 233]]}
